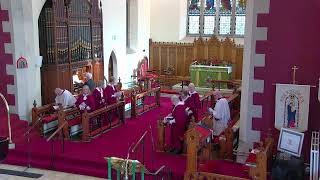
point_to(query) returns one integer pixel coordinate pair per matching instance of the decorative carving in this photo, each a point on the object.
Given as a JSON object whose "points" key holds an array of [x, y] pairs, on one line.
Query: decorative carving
{"points": [[181, 55]]}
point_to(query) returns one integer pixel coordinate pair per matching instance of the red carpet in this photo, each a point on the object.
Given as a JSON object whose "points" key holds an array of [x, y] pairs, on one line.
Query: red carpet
{"points": [[87, 158]]}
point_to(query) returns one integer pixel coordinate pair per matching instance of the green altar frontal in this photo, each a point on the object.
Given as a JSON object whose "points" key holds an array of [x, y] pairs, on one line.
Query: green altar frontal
{"points": [[200, 74]]}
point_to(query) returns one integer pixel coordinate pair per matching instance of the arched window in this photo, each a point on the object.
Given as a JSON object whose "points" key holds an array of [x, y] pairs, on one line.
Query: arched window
{"points": [[216, 17]]}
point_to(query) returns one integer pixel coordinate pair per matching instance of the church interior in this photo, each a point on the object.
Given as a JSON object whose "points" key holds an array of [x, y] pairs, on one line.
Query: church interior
{"points": [[160, 89]]}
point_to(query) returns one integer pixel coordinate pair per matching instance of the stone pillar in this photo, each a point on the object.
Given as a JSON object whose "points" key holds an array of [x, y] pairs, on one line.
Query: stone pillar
{"points": [[250, 86]]}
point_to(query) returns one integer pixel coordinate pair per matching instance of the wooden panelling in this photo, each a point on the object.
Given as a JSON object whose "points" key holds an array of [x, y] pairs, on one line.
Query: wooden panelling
{"points": [[181, 55]]}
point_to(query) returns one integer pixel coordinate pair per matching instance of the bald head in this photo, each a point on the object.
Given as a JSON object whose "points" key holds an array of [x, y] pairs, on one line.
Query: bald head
{"points": [[58, 91], [175, 100], [217, 95]]}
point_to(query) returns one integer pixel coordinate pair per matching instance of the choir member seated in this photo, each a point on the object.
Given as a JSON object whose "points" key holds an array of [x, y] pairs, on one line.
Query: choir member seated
{"points": [[89, 82], [111, 93], [98, 95], [178, 121], [194, 101], [221, 114]]}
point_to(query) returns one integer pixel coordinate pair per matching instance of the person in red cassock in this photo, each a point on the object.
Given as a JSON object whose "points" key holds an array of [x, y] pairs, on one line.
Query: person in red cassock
{"points": [[85, 101], [178, 120], [194, 101], [98, 95], [184, 96], [111, 93]]}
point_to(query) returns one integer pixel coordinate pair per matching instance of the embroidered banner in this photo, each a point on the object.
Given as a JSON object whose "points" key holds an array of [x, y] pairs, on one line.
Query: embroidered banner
{"points": [[292, 106]]}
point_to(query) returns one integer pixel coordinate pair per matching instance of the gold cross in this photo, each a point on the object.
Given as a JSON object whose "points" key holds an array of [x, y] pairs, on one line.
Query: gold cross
{"points": [[295, 68]]}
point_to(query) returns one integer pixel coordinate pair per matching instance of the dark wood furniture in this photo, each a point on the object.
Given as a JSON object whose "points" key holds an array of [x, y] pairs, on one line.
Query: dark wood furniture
{"points": [[70, 39], [144, 97]]}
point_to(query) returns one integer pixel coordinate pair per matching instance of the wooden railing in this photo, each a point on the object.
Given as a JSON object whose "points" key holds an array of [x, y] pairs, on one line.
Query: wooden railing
{"points": [[207, 100], [39, 112], [67, 115], [141, 96], [258, 172], [101, 113], [226, 143]]}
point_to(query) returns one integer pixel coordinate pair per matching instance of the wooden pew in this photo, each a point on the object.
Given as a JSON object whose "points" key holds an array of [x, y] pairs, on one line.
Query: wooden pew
{"points": [[100, 113], [136, 97], [193, 172], [207, 99], [72, 117], [38, 113]]}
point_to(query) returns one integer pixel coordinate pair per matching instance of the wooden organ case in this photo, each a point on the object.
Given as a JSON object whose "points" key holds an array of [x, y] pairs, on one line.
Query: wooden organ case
{"points": [[70, 35]]}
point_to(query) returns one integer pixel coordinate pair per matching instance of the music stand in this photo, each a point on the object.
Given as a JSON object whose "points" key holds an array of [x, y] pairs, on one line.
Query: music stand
{"points": [[133, 167]]}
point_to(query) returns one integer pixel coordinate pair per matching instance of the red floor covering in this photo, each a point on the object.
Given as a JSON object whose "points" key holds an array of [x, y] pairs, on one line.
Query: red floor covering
{"points": [[88, 158]]}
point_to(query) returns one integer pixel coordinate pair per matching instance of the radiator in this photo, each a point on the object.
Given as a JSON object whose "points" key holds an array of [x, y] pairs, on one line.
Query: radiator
{"points": [[314, 156]]}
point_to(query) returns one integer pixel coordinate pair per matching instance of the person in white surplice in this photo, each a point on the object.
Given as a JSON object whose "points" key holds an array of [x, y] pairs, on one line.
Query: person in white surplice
{"points": [[64, 97], [221, 114]]}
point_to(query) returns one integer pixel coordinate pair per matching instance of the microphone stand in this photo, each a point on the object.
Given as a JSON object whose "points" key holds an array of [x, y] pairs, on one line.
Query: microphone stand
{"points": [[27, 135], [126, 177], [153, 147], [141, 140]]}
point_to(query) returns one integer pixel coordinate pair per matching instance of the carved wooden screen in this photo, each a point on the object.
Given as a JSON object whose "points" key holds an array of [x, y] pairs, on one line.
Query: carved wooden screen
{"points": [[70, 34], [179, 56]]}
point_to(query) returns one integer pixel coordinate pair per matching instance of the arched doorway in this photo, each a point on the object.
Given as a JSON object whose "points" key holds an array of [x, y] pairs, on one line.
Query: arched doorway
{"points": [[71, 44], [112, 65]]}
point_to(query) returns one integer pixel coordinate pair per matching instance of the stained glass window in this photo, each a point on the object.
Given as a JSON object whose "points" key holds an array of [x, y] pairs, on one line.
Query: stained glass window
{"points": [[240, 17], [194, 16], [224, 17], [209, 17]]}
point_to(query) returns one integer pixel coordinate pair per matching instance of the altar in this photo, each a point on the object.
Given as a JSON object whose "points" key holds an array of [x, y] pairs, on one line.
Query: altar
{"points": [[201, 75]]}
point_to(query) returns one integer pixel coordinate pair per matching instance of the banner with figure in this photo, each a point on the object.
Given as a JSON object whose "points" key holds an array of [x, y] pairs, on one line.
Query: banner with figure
{"points": [[292, 106]]}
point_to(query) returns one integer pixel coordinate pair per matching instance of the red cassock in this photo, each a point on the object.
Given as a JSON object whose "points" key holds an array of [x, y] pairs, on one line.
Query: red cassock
{"points": [[178, 128], [108, 92], [89, 101], [194, 104], [98, 98]]}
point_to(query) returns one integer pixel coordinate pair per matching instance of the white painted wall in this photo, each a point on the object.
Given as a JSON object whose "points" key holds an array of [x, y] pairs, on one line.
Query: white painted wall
{"points": [[168, 20], [114, 19]]}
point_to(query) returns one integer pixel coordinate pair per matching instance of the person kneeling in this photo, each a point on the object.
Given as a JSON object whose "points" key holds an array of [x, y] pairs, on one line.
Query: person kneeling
{"points": [[221, 114], [178, 120]]}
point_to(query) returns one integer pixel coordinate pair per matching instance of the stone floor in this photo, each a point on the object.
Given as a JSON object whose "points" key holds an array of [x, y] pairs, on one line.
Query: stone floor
{"points": [[47, 175]]}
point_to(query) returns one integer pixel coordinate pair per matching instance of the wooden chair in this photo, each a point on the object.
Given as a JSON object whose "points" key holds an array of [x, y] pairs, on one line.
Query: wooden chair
{"points": [[208, 171]]}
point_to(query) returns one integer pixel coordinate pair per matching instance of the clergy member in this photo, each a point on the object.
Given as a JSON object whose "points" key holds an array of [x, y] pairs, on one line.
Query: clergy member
{"points": [[110, 92], [64, 98], [178, 121], [98, 95], [85, 101], [194, 101], [221, 114], [90, 82]]}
